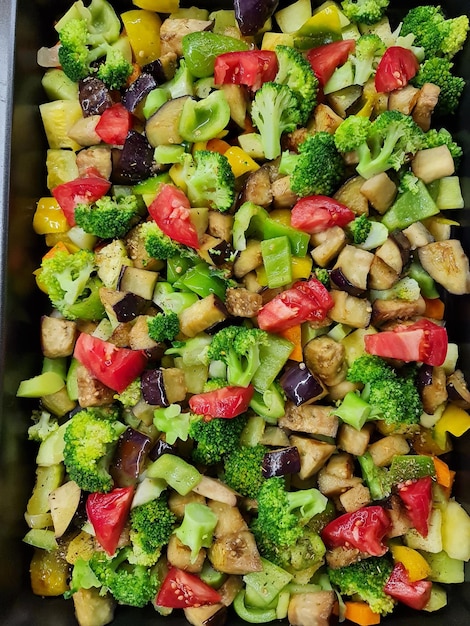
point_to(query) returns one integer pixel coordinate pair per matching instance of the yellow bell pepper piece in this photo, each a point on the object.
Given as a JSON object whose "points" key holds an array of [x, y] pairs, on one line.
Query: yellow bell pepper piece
{"points": [[281, 215], [240, 161], [454, 420], [301, 267], [176, 175], [143, 30], [416, 565], [199, 145], [160, 6], [271, 40], [261, 276], [49, 217], [327, 19]]}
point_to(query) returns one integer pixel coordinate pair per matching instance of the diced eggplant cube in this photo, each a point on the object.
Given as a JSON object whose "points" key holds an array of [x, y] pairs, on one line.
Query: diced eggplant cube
{"points": [[94, 96], [202, 315], [92, 392], [58, 337], [153, 388], [175, 385], [138, 281]]}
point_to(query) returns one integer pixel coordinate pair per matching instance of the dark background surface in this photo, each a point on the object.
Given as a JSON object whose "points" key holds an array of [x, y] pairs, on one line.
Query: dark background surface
{"points": [[20, 306]]}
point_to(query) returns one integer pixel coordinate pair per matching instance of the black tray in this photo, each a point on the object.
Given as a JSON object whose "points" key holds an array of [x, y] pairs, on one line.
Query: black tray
{"points": [[22, 181]]}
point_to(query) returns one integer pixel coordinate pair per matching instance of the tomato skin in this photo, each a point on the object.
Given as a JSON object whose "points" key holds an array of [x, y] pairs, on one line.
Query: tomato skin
{"points": [[424, 341], [248, 67], [225, 402], [114, 367], [325, 59], [114, 124], [304, 301], [181, 590], [363, 529], [314, 214], [395, 69], [417, 497], [414, 594], [170, 210], [83, 190], [108, 513]]}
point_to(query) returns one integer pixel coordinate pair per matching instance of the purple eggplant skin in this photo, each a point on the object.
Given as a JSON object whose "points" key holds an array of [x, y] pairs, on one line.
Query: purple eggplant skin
{"points": [[129, 307], [161, 447], [221, 253], [457, 389], [339, 279], [403, 244], [129, 457], [281, 462], [251, 15], [94, 96], [153, 388], [300, 385], [134, 162], [137, 91], [424, 377]]}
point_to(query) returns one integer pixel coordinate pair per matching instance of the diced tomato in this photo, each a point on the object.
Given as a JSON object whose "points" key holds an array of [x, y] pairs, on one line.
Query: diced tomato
{"points": [[363, 529], [305, 301], [325, 59], [114, 367], [422, 341], [108, 513], [395, 69], [114, 125], [415, 595], [83, 190], [248, 67], [225, 402], [314, 214], [170, 210], [417, 496], [181, 590]]}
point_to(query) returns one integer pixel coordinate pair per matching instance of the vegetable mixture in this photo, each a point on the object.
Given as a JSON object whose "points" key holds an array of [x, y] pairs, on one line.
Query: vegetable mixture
{"points": [[248, 395]]}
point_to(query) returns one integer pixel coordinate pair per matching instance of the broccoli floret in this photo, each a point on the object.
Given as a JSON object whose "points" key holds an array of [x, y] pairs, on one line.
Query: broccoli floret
{"points": [[369, 49], [134, 585], [215, 383], [108, 217], [366, 579], [323, 275], [197, 527], [296, 72], [151, 526], [365, 11], [438, 71], [83, 577], [381, 145], [442, 137], [163, 326], [275, 110], [158, 245], [216, 438], [405, 289], [209, 180], [282, 513], [239, 348], [281, 528], [131, 394], [115, 70], [318, 169], [43, 425], [392, 396], [369, 368], [243, 469], [89, 34], [71, 287], [359, 228], [440, 37], [408, 182], [90, 438]]}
